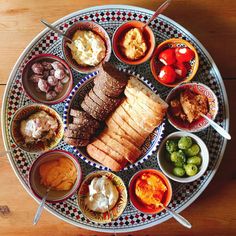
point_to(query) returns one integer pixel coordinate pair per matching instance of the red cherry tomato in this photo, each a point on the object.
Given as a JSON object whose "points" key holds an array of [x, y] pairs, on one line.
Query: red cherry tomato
{"points": [[180, 70], [167, 74], [184, 54], [167, 57]]}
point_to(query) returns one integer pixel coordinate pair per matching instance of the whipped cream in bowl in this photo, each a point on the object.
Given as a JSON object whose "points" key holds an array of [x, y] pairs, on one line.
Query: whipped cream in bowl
{"points": [[102, 196]]}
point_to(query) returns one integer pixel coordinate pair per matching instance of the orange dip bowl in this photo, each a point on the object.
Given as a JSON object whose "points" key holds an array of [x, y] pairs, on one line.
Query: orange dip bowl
{"points": [[120, 32], [138, 204], [174, 42]]}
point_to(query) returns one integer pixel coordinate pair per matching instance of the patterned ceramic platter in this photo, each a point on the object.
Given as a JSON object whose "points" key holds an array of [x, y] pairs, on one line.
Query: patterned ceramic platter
{"points": [[110, 17]]}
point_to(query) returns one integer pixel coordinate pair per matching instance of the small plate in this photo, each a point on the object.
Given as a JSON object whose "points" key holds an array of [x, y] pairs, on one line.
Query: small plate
{"points": [[169, 43], [116, 211], [30, 87], [138, 204], [120, 33]]}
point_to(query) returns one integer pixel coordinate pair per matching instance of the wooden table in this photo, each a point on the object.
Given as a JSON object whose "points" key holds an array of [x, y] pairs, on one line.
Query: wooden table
{"points": [[213, 23]]}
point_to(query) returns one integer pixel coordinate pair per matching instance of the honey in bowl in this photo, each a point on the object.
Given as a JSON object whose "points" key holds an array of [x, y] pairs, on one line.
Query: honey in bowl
{"points": [[59, 174]]}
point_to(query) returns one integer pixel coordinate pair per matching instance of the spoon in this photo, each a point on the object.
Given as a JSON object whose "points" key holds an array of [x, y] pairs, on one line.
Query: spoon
{"points": [[56, 30], [40, 208], [177, 217], [218, 128], [157, 12], [109, 212]]}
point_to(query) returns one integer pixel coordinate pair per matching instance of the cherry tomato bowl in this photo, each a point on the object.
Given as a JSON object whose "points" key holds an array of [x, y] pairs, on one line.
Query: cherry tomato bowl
{"points": [[170, 66]]}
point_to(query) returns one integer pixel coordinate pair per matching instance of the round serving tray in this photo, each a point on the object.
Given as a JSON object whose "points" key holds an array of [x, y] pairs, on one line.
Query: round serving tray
{"points": [[110, 17]]}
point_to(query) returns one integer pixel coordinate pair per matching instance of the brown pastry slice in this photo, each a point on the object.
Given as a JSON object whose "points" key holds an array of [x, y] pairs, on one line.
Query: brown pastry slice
{"points": [[76, 142], [77, 134]]}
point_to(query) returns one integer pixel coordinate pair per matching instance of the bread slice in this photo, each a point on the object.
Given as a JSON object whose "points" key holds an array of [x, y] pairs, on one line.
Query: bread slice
{"points": [[126, 117], [88, 128], [76, 142], [76, 134], [114, 77], [109, 151], [132, 98], [127, 128], [137, 117], [123, 141], [93, 109], [116, 146], [145, 95], [148, 117], [105, 98], [116, 128], [108, 90], [103, 158]]}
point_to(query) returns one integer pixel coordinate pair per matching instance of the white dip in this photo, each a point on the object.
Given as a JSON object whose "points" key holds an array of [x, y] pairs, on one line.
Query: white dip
{"points": [[101, 191], [88, 48], [40, 126]]}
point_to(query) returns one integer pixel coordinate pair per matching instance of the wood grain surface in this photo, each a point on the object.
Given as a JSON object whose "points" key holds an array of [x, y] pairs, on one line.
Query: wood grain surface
{"points": [[213, 23]]}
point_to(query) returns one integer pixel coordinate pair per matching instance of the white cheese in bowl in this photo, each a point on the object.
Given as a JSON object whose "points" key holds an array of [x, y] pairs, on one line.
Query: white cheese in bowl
{"points": [[102, 193], [88, 48]]}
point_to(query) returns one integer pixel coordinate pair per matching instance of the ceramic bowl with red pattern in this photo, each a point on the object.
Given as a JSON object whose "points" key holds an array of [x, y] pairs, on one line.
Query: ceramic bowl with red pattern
{"points": [[197, 124], [43, 86]]}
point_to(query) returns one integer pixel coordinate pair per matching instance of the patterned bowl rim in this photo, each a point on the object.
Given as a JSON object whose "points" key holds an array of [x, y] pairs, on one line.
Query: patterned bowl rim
{"points": [[159, 131], [111, 7], [58, 117], [193, 130], [76, 184], [98, 173], [107, 43], [70, 86]]}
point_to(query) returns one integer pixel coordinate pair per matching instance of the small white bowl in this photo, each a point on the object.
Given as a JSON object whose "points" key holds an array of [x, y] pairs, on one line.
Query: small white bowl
{"points": [[167, 167]]}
